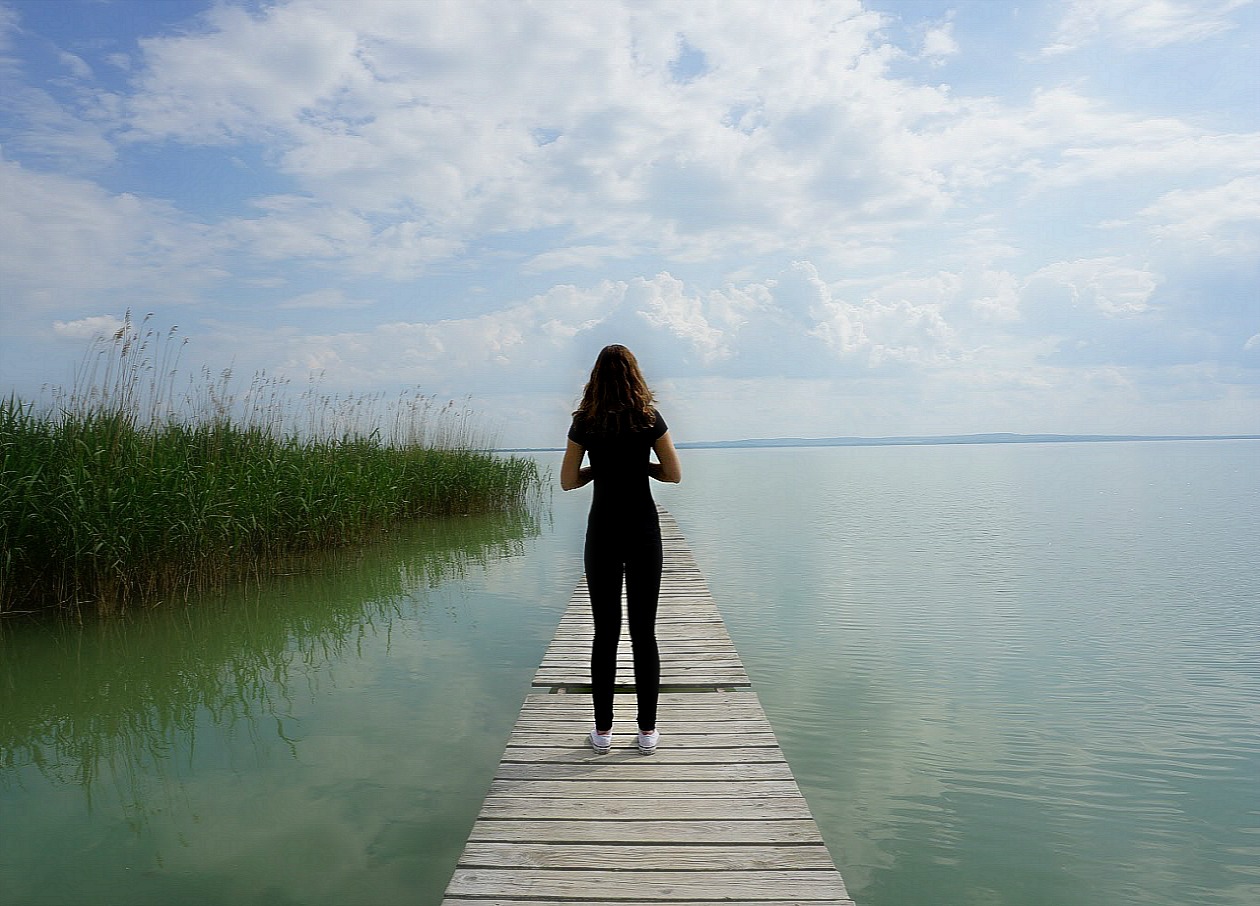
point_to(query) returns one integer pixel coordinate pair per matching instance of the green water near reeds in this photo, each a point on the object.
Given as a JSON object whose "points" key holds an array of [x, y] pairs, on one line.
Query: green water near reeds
{"points": [[320, 737]]}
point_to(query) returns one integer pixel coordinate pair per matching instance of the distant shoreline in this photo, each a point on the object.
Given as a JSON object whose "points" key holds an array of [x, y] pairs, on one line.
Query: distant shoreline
{"points": [[925, 441]]}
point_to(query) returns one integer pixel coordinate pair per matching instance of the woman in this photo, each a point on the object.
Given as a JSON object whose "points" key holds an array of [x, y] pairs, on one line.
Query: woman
{"points": [[617, 426]]}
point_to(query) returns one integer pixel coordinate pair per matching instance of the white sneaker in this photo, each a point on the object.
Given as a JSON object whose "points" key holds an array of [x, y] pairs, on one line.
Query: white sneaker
{"points": [[601, 743], [648, 741]]}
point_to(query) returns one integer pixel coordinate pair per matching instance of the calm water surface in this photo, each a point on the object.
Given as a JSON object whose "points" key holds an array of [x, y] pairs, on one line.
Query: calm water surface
{"points": [[1009, 675], [326, 739]]}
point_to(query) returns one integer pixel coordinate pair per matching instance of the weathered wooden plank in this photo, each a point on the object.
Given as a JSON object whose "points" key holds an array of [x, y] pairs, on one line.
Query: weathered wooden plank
{"points": [[681, 615], [676, 649], [685, 741], [634, 901], [684, 640], [667, 755], [707, 631], [657, 830], [658, 771], [715, 703], [685, 719], [694, 666], [554, 732], [639, 857], [577, 707], [624, 728], [573, 731], [710, 808], [657, 886], [668, 790], [693, 662], [678, 676]]}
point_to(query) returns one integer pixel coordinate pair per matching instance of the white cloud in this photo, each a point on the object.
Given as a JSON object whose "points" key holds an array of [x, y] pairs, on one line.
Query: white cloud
{"points": [[1065, 139], [412, 129], [1104, 285], [1141, 23], [8, 35], [1225, 219], [576, 256], [792, 325], [302, 228], [939, 43], [435, 112], [75, 64], [67, 244], [55, 134], [88, 328]]}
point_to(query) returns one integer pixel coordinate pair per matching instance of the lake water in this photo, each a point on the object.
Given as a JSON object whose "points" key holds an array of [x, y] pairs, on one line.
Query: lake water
{"points": [[1015, 674]]}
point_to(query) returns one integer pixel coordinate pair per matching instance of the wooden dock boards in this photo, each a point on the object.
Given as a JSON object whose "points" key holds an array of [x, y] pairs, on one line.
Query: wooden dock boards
{"points": [[714, 816]]}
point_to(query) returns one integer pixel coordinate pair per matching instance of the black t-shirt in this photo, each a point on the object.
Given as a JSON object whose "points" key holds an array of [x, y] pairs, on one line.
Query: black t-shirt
{"points": [[620, 464]]}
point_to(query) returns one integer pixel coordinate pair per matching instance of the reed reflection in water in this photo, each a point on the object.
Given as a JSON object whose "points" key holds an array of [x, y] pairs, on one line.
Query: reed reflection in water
{"points": [[291, 743]]}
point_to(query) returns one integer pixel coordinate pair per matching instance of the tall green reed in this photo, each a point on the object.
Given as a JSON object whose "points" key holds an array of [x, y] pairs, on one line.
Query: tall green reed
{"points": [[129, 489]]}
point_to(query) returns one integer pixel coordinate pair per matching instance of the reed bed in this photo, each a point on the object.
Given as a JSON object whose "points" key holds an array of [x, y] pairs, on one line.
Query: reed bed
{"points": [[130, 490]]}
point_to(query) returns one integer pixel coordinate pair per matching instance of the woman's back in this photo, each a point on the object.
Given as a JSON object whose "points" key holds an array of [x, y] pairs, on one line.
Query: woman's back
{"points": [[620, 460]]}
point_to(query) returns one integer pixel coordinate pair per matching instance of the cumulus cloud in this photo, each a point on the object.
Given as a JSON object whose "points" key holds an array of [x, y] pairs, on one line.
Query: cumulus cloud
{"points": [[413, 130], [792, 326], [438, 112]]}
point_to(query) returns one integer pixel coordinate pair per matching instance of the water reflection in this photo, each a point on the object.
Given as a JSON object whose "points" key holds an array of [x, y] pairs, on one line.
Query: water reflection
{"points": [[178, 709]]}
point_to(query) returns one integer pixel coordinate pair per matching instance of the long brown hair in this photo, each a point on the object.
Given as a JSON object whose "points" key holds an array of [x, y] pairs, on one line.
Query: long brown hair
{"points": [[616, 398]]}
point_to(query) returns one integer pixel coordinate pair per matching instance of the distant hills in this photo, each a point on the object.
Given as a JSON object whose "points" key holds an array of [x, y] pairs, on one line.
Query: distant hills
{"points": [[931, 440], [950, 439]]}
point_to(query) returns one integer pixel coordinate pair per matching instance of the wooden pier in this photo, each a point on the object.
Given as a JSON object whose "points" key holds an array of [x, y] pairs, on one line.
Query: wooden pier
{"points": [[714, 816]]}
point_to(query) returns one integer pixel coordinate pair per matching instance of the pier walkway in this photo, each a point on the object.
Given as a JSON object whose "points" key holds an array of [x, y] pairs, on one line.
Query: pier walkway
{"points": [[714, 816]]}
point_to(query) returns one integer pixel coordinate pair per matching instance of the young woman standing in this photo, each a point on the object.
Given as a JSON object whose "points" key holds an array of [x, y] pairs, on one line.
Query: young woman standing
{"points": [[619, 428]]}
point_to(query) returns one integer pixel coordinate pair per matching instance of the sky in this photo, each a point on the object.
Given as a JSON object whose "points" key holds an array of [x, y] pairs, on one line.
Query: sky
{"points": [[806, 219]]}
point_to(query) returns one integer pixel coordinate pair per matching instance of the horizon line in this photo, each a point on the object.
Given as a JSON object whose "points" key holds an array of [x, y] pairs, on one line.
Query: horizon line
{"points": [[917, 440]]}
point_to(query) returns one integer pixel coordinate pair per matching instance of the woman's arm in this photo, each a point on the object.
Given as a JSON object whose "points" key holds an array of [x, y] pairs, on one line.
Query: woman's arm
{"points": [[667, 468], [572, 475]]}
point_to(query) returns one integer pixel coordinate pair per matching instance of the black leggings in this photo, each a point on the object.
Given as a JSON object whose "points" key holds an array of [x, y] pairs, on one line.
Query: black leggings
{"points": [[632, 551]]}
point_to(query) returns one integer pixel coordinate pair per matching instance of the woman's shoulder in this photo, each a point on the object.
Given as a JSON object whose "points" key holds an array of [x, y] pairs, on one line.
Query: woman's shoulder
{"points": [[579, 429]]}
